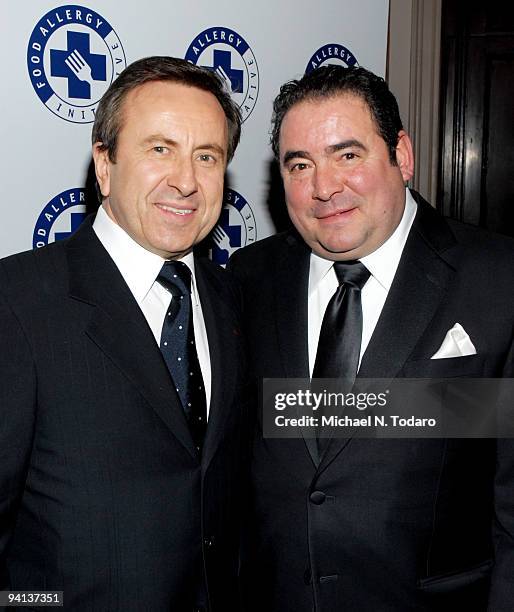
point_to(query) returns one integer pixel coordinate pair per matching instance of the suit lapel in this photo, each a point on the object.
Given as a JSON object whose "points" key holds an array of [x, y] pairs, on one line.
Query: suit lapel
{"points": [[418, 288], [222, 334], [118, 327], [291, 291], [419, 285]]}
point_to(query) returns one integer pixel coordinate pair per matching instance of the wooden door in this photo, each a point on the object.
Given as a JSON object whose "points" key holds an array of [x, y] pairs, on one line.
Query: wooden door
{"points": [[477, 113]]}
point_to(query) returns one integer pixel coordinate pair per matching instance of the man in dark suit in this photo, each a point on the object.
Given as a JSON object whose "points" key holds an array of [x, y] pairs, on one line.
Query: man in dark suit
{"points": [[374, 524], [113, 488]]}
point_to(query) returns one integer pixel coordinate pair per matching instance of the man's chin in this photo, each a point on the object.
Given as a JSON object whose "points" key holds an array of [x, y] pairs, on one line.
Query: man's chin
{"points": [[169, 250], [335, 251]]}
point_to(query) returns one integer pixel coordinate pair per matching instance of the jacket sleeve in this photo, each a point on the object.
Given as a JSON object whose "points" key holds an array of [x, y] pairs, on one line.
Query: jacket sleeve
{"points": [[501, 597], [17, 417]]}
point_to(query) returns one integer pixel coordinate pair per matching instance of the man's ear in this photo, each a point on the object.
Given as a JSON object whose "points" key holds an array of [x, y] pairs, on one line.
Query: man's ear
{"points": [[405, 155], [102, 168]]}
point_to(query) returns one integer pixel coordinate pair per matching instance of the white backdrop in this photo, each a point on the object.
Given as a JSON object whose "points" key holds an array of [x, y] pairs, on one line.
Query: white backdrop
{"points": [[47, 109]]}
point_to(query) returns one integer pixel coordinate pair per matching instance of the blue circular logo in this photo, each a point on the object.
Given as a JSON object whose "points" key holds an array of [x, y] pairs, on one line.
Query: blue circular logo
{"points": [[60, 217], [73, 56], [227, 54], [235, 229], [331, 54]]}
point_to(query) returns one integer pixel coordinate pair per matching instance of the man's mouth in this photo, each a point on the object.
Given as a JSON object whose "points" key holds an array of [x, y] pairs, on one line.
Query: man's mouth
{"points": [[177, 211], [335, 213]]}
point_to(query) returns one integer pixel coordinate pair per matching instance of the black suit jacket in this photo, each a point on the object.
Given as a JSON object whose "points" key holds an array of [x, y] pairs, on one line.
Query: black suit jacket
{"points": [[102, 491], [405, 524]]}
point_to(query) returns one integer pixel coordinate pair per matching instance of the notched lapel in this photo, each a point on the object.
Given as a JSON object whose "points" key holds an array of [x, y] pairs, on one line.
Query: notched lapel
{"points": [[224, 337], [118, 327], [419, 286], [291, 291]]}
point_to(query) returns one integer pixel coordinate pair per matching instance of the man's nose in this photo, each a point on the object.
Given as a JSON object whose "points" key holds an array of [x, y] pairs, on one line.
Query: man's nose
{"points": [[182, 176], [326, 182]]}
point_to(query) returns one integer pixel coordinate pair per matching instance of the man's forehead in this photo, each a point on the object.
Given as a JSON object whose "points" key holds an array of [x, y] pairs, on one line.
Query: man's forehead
{"points": [[172, 92], [334, 117], [164, 100], [338, 101], [140, 98]]}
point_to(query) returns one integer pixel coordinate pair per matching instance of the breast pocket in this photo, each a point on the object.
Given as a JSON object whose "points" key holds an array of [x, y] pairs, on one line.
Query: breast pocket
{"points": [[471, 366]]}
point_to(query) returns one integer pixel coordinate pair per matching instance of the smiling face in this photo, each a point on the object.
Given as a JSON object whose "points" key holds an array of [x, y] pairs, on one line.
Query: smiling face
{"points": [[165, 188], [343, 194]]}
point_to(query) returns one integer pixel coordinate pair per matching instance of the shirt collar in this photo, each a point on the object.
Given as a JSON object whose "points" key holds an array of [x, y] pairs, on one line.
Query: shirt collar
{"points": [[138, 266], [383, 262]]}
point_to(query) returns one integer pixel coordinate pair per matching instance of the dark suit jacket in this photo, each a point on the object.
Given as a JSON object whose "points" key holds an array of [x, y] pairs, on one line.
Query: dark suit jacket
{"points": [[102, 492], [405, 524]]}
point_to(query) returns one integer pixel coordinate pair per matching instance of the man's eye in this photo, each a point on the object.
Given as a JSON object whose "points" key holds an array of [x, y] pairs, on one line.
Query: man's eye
{"points": [[160, 149], [206, 157], [298, 167], [349, 156]]}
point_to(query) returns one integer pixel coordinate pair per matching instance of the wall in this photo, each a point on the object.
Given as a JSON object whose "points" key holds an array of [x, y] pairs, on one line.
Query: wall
{"points": [[47, 110]]}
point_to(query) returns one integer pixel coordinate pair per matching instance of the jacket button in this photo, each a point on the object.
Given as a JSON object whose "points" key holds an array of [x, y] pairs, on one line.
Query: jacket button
{"points": [[208, 541], [317, 497], [307, 576]]}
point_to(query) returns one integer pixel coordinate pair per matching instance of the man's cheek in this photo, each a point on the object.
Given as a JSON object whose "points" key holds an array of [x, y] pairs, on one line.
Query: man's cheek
{"points": [[297, 196]]}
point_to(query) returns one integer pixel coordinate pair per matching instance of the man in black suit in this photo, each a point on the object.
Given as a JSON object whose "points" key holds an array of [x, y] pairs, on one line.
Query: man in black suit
{"points": [[112, 487], [374, 524]]}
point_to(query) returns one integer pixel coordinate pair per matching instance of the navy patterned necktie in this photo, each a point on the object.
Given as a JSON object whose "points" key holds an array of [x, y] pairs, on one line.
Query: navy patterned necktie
{"points": [[179, 349], [341, 330]]}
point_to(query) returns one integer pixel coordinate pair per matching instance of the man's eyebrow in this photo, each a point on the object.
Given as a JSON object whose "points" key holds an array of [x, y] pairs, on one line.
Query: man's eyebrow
{"points": [[345, 144], [289, 155], [160, 138], [212, 146]]}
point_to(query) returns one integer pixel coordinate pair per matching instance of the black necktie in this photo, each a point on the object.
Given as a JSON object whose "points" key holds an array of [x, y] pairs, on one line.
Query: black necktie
{"points": [[179, 349], [341, 330]]}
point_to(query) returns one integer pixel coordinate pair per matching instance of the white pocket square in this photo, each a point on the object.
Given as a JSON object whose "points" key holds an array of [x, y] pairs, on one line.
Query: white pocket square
{"points": [[456, 343]]}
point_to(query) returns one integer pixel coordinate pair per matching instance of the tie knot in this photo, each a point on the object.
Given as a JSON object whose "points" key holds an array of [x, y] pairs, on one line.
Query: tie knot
{"points": [[352, 273], [175, 275]]}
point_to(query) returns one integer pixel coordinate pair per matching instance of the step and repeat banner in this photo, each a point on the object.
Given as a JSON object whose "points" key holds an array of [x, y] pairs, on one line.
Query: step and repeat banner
{"points": [[58, 59]]}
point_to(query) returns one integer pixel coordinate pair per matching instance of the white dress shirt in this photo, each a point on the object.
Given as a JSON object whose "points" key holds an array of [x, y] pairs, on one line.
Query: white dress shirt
{"points": [[140, 269], [382, 265]]}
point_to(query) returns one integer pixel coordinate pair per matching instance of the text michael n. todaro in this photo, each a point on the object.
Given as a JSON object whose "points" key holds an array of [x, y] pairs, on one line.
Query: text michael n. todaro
{"points": [[347, 421]]}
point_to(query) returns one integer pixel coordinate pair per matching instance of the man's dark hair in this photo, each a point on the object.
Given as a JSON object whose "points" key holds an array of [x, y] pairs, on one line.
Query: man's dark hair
{"points": [[109, 114], [333, 80]]}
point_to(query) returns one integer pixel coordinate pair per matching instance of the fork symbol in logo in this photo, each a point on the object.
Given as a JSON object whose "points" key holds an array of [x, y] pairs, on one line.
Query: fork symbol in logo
{"points": [[222, 239], [78, 65], [224, 77]]}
